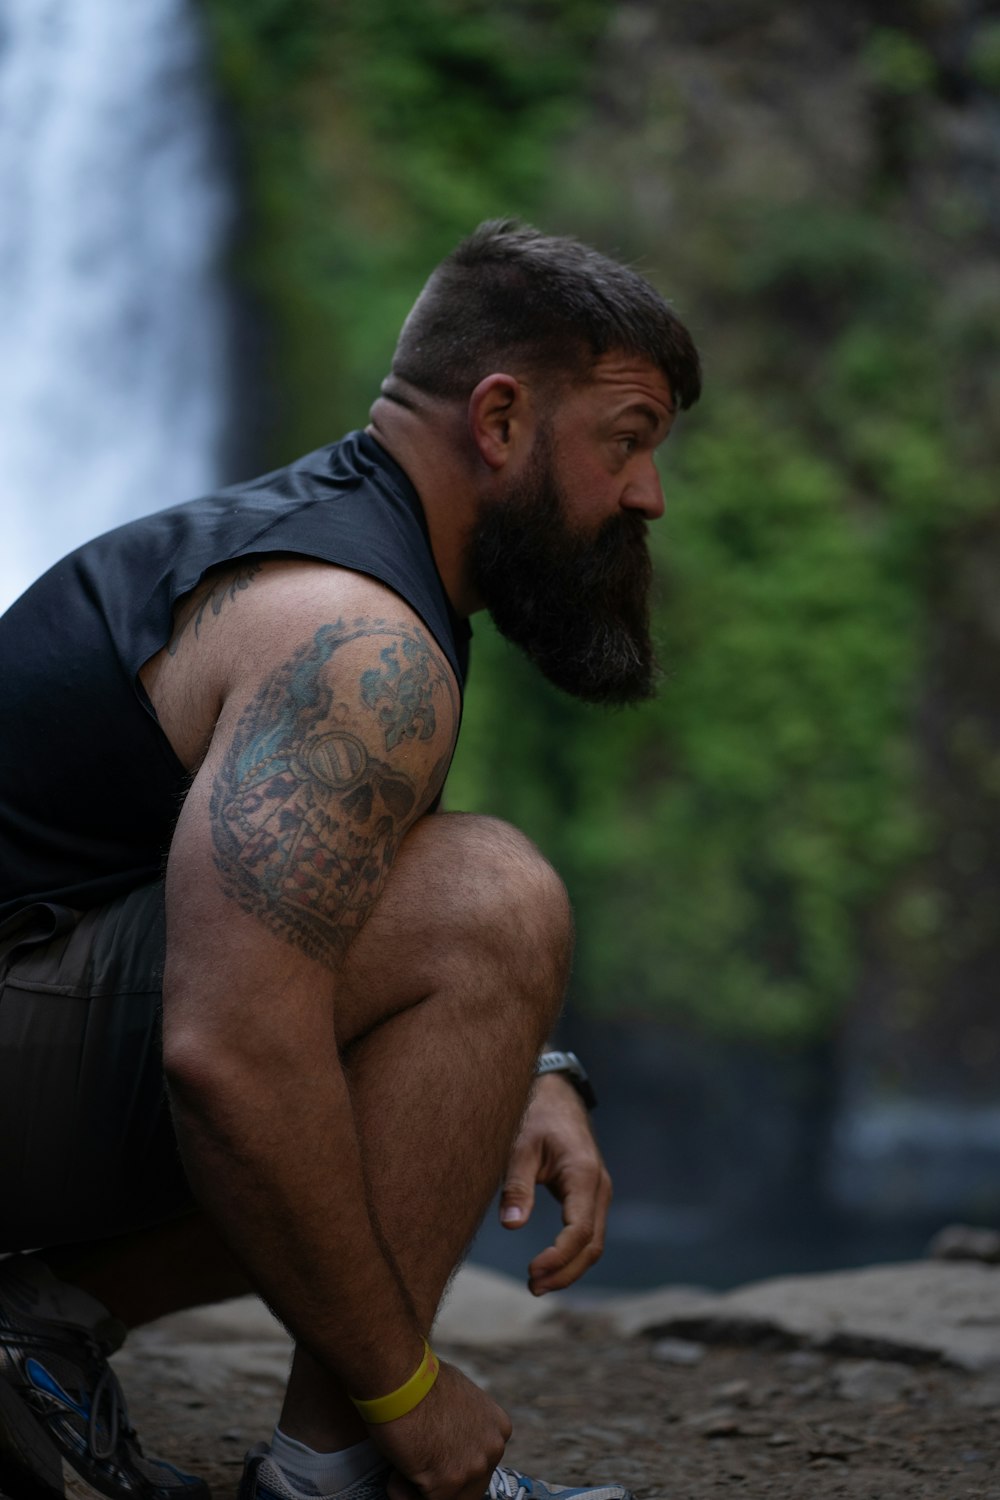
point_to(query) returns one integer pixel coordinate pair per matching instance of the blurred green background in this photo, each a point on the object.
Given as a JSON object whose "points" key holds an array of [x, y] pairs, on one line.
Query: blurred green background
{"points": [[807, 820]]}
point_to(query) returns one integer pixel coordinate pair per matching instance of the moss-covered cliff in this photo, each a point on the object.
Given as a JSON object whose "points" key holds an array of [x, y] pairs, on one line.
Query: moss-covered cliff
{"points": [[809, 813]]}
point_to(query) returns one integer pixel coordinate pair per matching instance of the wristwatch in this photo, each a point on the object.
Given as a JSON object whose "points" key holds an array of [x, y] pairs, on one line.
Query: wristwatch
{"points": [[570, 1064]]}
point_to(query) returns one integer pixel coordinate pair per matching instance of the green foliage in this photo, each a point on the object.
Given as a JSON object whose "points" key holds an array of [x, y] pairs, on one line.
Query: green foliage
{"points": [[984, 55], [725, 841], [725, 833], [726, 844], [897, 62], [375, 133]]}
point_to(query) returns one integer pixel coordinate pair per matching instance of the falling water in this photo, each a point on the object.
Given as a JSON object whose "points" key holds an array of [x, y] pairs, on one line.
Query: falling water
{"points": [[113, 215]]}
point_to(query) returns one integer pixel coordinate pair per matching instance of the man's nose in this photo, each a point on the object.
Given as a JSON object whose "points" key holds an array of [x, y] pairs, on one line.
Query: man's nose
{"points": [[644, 492]]}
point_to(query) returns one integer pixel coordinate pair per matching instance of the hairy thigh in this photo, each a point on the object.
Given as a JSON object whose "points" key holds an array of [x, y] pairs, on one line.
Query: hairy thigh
{"points": [[465, 892]]}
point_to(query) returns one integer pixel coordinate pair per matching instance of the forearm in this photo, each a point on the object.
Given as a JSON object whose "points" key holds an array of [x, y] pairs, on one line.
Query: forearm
{"points": [[273, 1157]]}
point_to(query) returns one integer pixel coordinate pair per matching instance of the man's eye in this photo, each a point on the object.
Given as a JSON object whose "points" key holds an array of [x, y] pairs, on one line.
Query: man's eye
{"points": [[629, 442]]}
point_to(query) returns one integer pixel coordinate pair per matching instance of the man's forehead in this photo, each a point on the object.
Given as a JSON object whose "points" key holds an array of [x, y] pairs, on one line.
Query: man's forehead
{"points": [[621, 381]]}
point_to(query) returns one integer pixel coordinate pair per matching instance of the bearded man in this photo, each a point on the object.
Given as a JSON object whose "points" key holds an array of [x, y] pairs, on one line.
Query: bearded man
{"points": [[344, 990]]}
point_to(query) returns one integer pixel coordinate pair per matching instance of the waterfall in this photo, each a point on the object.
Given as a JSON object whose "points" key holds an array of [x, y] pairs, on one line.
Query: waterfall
{"points": [[113, 217]]}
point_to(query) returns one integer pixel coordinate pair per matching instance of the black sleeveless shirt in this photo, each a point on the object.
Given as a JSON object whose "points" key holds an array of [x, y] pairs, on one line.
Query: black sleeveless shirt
{"points": [[90, 787]]}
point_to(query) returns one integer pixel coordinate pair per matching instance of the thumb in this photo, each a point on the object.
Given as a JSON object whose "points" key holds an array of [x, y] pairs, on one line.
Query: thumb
{"points": [[518, 1196]]}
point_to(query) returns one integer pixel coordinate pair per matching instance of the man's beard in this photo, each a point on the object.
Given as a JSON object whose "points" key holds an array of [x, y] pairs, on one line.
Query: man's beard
{"points": [[576, 605]]}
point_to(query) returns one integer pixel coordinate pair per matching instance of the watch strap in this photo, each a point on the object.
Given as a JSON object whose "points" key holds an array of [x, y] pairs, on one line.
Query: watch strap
{"points": [[569, 1064]]}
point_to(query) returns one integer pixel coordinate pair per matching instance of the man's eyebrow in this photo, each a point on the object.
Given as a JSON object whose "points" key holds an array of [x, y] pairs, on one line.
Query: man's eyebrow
{"points": [[648, 414]]}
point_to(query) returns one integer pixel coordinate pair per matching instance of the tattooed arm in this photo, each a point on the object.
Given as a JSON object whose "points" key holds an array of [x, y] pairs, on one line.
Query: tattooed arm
{"points": [[333, 737], [314, 793]]}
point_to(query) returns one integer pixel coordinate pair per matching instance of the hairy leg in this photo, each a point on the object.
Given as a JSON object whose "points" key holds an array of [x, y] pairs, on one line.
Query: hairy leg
{"points": [[440, 1084], [446, 996]]}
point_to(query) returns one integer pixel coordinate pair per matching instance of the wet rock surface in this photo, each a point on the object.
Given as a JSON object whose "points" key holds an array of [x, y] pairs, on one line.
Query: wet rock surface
{"points": [[921, 1311], [592, 1403]]}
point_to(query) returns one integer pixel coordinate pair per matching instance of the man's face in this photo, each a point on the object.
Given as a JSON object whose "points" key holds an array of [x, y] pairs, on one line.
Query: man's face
{"points": [[560, 559]]}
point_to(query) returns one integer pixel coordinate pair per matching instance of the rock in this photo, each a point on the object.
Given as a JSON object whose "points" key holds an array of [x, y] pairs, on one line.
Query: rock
{"points": [[206, 1350], [241, 1320], [808, 1390], [921, 1311], [469, 1368], [943, 1311], [486, 1307], [482, 1307], [983, 1393], [965, 1242], [803, 1362], [210, 1368], [677, 1352], [714, 1423], [643, 1312], [734, 1392], [720, 1422], [874, 1381]]}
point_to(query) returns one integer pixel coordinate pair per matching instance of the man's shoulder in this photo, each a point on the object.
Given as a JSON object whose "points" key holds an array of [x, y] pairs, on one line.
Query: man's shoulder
{"points": [[265, 624], [264, 604]]}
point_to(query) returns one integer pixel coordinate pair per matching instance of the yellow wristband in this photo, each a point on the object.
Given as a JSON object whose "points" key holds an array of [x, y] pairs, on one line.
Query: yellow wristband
{"points": [[409, 1395]]}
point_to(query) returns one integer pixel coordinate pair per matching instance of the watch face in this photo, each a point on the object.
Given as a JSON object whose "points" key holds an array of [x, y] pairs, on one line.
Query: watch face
{"points": [[570, 1064]]}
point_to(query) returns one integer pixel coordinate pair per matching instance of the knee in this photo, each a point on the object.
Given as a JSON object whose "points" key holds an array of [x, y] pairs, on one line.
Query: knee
{"points": [[508, 883], [506, 905]]}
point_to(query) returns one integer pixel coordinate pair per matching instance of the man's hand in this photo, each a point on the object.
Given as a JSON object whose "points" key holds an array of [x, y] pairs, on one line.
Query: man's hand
{"points": [[447, 1447], [556, 1146]]}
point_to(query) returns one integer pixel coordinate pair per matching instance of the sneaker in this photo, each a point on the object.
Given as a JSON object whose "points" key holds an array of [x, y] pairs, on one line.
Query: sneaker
{"points": [[508, 1484], [263, 1480], [64, 1428]]}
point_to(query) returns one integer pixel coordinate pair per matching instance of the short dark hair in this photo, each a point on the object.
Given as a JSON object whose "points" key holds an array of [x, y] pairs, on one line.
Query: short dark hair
{"points": [[551, 302]]}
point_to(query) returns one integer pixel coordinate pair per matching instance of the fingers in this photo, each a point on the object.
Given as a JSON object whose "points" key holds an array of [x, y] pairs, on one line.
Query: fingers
{"points": [[581, 1241], [518, 1196], [557, 1147], [447, 1447]]}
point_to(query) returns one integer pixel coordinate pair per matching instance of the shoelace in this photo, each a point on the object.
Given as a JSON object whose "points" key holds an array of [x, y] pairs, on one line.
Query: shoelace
{"points": [[506, 1484], [107, 1391]]}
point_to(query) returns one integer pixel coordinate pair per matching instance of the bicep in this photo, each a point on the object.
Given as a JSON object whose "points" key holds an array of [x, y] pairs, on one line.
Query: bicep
{"points": [[317, 769]]}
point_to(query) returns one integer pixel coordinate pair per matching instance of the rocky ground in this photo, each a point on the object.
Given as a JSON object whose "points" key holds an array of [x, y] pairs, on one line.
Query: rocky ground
{"points": [[881, 1383]]}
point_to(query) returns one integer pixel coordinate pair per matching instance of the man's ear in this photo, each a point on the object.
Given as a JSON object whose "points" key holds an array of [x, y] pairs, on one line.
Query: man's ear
{"points": [[499, 416]]}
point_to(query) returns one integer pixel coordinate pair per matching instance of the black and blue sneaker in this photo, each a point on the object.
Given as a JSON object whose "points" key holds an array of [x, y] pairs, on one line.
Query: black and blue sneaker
{"points": [[64, 1427], [263, 1480]]}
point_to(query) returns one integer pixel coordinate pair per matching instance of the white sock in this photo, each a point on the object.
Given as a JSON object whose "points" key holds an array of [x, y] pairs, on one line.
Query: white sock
{"points": [[324, 1473]]}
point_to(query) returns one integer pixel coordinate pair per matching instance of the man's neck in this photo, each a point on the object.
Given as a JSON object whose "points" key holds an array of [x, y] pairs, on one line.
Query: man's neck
{"points": [[430, 442]]}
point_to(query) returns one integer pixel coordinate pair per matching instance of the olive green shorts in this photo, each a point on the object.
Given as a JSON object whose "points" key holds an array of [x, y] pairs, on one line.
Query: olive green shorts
{"points": [[87, 1147]]}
